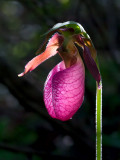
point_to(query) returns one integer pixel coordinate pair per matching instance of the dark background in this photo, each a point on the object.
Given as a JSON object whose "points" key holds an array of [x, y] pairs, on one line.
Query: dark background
{"points": [[27, 132]]}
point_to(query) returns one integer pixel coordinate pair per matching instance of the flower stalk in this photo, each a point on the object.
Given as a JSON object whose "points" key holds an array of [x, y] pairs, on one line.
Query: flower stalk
{"points": [[99, 121]]}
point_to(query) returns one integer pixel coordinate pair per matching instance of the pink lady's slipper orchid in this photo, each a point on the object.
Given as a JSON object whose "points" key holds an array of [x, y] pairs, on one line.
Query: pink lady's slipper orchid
{"points": [[65, 84]]}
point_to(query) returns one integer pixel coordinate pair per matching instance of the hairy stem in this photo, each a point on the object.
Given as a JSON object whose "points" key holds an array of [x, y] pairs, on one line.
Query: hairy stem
{"points": [[99, 122]]}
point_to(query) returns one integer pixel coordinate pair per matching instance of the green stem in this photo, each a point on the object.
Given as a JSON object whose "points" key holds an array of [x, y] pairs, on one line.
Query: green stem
{"points": [[99, 121]]}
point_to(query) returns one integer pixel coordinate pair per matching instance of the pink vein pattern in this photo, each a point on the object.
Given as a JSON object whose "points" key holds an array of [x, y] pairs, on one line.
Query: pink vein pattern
{"points": [[64, 90]]}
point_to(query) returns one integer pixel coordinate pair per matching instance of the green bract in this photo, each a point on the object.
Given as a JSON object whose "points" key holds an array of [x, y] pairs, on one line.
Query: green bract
{"points": [[78, 29]]}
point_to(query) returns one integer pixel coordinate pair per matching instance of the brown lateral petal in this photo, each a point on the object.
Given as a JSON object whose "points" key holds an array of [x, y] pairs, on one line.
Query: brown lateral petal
{"points": [[43, 46], [91, 65], [88, 56], [90, 45], [81, 41], [51, 49]]}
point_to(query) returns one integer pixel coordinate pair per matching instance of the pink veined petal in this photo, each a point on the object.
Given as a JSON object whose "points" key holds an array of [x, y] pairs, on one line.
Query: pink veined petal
{"points": [[64, 90], [48, 89], [53, 44]]}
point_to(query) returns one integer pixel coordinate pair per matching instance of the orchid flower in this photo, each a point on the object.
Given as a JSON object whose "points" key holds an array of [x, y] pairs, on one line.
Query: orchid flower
{"points": [[65, 85]]}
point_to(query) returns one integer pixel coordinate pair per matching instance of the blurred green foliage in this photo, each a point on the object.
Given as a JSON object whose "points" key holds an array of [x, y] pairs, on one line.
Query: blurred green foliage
{"points": [[6, 155]]}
